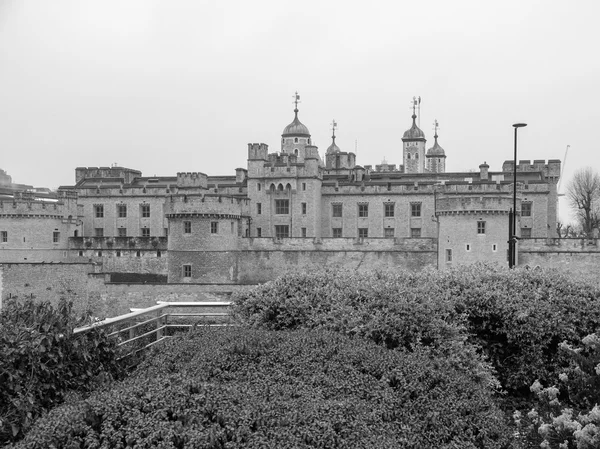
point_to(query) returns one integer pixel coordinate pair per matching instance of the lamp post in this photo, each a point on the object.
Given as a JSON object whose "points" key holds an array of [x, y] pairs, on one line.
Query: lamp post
{"points": [[512, 244]]}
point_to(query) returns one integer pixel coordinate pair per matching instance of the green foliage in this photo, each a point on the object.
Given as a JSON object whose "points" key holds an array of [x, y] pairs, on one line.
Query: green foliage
{"points": [[520, 317], [251, 388], [41, 359], [517, 317], [567, 414]]}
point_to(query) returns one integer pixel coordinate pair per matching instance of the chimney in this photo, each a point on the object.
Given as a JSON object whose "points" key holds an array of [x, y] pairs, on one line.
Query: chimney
{"points": [[483, 170]]}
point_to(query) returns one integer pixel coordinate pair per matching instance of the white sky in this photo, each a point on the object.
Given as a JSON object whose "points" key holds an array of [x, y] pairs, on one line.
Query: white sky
{"points": [[169, 85]]}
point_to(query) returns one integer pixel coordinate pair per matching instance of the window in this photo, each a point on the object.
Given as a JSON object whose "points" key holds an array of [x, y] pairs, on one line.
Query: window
{"points": [[303, 232], [158, 253], [363, 210], [99, 232], [494, 247], [295, 140], [118, 253], [145, 211], [526, 233], [99, 253], [214, 227], [99, 210], [258, 208], [303, 208], [481, 227], [145, 232], [232, 227], [388, 233], [282, 207], [4, 236], [337, 233], [187, 227], [415, 233], [388, 210], [526, 209], [363, 232], [55, 237], [336, 210], [187, 271], [415, 209], [122, 232], [448, 255], [138, 253], [121, 210], [468, 247], [303, 186], [166, 232], [259, 232], [80, 253], [282, 231], [258, 186]]}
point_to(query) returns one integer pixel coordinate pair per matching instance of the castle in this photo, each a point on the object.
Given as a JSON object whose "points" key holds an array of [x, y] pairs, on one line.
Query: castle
{"points": [[288, 208]]}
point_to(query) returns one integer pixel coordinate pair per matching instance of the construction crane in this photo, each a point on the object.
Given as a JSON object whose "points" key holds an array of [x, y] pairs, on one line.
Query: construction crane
{"points": [[562, 171]]}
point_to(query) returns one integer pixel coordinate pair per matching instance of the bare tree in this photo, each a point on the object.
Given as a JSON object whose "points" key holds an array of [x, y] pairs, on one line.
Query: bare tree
{"points": [[583, 193]]}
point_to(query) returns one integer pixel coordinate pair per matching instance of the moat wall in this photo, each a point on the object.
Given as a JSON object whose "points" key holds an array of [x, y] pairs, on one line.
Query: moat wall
{"points": [[580, 257]]}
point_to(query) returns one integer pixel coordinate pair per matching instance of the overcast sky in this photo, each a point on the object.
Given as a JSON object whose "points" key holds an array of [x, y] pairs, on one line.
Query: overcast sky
{"points": [[169, 85]]}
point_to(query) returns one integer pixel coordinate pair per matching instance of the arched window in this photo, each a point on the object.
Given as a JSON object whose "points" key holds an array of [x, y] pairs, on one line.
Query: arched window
{"points": [[288, 186], [408, 156], [296, 151], [282, 140], [296, 140], [416, 155], [272, 187], [280, 187]]}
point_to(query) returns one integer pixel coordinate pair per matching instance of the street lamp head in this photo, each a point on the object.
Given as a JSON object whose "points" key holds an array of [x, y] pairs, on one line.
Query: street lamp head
{"points": [[520, 125]]}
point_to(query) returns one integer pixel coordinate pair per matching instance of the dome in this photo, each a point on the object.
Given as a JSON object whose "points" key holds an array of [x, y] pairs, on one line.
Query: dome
{"points": [[296, 128], [436, 150], [414, 132], [333, 148]]}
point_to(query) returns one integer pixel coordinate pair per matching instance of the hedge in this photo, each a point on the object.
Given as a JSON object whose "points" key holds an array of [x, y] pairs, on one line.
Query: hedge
{"points": [[41, 360], [251, 388], [517, 318]]}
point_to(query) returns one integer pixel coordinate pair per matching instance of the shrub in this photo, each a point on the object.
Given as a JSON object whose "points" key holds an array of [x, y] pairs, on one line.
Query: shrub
{"points": [[250, 388], [520, 317], [567, 414], [516, 317], [41, 359]]}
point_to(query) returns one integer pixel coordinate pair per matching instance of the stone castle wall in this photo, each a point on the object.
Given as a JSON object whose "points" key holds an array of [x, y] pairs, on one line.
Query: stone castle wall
{"points": [[579, 257]]}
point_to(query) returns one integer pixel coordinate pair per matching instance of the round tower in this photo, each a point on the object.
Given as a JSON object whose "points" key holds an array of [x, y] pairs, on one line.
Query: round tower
{"points": [[295, 137], [413, 148], [436, 156]]}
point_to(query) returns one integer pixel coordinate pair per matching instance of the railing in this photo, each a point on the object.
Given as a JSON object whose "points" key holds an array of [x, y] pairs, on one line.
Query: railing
{"points": [[163, 318]]}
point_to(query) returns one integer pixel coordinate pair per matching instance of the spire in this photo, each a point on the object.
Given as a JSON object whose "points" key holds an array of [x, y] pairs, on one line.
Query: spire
{"points": [[296, 101], [333, 128]]}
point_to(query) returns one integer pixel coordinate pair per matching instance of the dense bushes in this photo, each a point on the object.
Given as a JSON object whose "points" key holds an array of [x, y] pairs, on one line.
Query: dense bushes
{"points": [[244, 388], [40, 359], [518, 318], [567, 413]]}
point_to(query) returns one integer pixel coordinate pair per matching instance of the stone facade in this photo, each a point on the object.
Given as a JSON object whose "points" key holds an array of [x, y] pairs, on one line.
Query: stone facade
{"points": [[195, 227]]}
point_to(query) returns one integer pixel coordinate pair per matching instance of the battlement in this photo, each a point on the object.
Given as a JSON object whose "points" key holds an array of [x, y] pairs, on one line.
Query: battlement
{"points": [[126, 174], [258, 151], [474, 204], [551, 169], [192, 179], [205, 205], [30, 207]]}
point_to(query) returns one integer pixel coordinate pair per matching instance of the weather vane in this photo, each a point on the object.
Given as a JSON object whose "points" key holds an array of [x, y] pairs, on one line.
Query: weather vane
{"points": [[296, 99], [333, 127], [435, 126]]}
